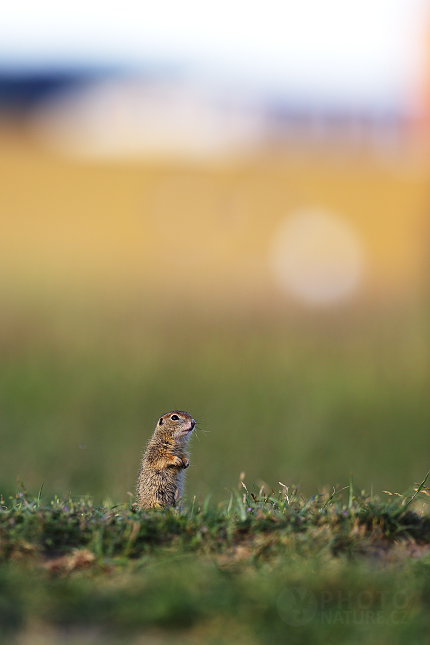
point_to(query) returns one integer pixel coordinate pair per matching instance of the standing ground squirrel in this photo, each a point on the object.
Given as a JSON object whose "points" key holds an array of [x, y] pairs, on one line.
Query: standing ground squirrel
{"points": [[162, 472]]}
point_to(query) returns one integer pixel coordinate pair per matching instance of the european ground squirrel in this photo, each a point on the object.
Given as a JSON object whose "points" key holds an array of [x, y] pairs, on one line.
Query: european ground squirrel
{"points": [[162, 472]]}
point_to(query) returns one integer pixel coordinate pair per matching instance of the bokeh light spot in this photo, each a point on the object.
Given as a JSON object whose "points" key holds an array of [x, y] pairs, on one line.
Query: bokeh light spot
{"points": [[317, 256]]}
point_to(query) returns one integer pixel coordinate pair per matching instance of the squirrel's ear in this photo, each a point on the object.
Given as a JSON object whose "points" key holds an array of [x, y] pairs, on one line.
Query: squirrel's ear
{"points": [[160, 423]]}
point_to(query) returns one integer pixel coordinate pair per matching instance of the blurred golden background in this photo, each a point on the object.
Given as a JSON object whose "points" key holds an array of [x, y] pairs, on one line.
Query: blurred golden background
{"points": [[262, 265]]}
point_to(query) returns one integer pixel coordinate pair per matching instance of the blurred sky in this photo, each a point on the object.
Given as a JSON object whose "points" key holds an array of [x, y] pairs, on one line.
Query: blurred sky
{"points": [[369, 53]]}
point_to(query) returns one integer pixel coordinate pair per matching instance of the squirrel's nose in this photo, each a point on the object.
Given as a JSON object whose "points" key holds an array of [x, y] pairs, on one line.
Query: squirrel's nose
{"points": [[193, 423]]}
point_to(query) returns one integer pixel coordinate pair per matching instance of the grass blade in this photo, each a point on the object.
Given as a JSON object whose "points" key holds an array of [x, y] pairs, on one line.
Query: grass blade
{"points": [[335, 492], [419, 489]]}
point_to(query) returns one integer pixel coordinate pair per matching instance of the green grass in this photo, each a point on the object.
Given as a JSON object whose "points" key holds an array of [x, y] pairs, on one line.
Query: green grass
{"points": [[358, 567], [282, 397], [304, 401]]}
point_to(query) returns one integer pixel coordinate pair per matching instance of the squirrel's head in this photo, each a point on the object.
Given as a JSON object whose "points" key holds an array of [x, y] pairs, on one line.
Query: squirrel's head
{"points": [[176, 424]]}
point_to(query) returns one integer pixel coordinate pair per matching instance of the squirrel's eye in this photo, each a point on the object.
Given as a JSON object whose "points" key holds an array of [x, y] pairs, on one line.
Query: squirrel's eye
{"points": [[174, 417]]}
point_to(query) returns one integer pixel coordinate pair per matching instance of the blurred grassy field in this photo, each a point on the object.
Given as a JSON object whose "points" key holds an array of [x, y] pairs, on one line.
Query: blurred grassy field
{"points": [[281, 403], [130, 290]]}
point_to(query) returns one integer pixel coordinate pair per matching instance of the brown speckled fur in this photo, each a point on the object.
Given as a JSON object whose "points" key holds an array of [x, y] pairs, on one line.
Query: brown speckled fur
{"points": [[161, 475]]}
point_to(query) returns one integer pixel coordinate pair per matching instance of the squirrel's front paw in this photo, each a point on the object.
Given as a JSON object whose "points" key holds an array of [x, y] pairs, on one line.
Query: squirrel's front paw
{"points": [[185, 462], [176, 462]]}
